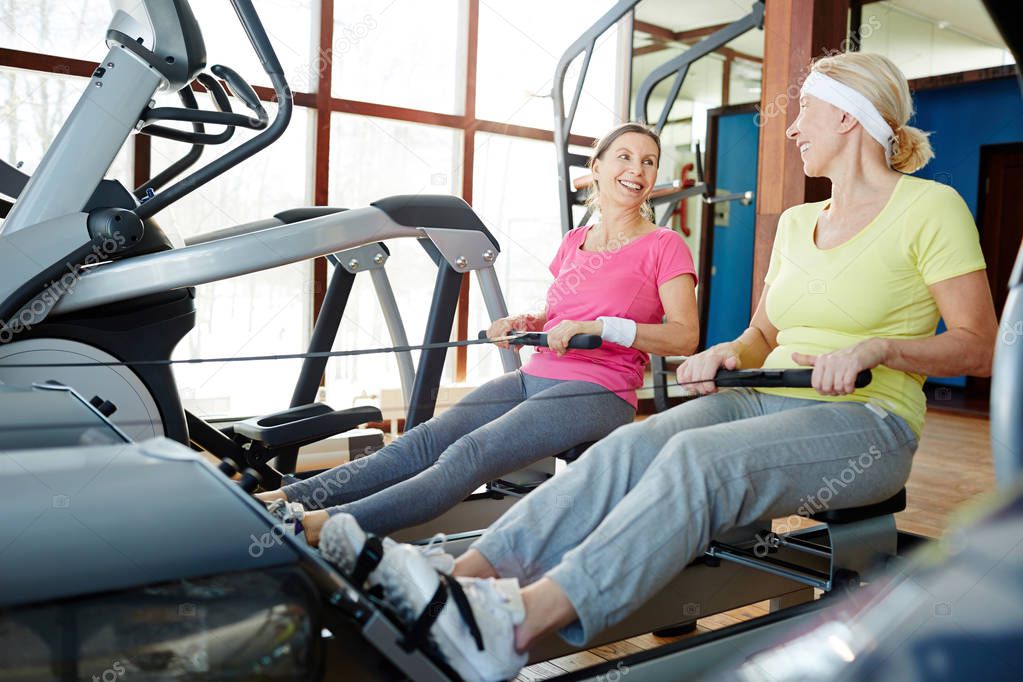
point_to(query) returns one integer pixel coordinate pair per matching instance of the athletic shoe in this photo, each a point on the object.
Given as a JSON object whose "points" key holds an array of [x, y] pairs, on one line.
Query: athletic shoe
{"points": [[290, 514], [475, 629], [434, 552], [342, 540]]}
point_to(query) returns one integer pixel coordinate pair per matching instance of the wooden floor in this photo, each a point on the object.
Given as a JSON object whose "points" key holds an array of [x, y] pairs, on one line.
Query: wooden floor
{"points": [[951, 467]]}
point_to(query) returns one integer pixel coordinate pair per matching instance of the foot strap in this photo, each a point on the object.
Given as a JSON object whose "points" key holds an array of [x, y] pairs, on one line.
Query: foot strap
{"points": [[462, 602], [369, 558], [419, 631]]}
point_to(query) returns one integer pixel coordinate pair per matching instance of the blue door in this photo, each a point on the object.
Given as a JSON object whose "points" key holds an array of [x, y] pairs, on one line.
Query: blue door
{"points": [[731, 284]]}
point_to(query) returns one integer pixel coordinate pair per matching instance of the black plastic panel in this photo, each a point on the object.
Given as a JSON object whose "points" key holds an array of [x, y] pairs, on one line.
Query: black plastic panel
{"points": [[433, 210], [80, 521]]}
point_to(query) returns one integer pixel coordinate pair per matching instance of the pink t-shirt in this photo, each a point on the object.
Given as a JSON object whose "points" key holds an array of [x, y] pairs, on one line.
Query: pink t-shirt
{"points": [[620, 282]]}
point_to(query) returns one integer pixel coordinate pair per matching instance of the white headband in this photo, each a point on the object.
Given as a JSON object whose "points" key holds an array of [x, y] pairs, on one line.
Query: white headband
{"points": [[855, 104]]}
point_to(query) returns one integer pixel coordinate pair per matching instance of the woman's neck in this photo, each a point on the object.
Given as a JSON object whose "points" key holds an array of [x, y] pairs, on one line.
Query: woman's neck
{"points": [[627, 222], [863, 180]]}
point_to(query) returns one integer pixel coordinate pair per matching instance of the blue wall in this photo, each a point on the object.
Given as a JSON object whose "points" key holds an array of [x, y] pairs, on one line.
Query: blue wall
{"points": [[732, 257], [961, 119]]}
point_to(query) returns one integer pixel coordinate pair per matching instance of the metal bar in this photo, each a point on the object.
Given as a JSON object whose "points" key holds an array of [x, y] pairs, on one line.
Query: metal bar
{"points": [[563, 124], [744, 197], [1006, 389], [804, 546], [256, 34], [322, 340], [782, 569], [578, 160], [666, 216], [693, 191], [395, 327], [86, 145], [680, 64], [438, 330], [496, 308], [669, 102], [577, 96], [657, 365], [213, 440], [253, 252], [12, 180]]}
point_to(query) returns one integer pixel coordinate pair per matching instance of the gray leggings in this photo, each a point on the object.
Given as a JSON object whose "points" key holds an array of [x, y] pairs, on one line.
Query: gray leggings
{"points": [[504, 425], [637, 507]]}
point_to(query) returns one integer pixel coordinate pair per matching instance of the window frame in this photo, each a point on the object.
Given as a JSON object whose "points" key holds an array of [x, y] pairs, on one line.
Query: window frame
{"points": [[324, 104]]}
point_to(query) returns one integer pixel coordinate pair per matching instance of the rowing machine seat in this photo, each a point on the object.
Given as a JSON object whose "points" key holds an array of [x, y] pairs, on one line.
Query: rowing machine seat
{"points": [[892, 505]]}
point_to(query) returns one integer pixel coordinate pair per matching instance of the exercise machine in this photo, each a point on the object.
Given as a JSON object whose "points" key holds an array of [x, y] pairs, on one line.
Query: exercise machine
{"points": [[219, 587], [267, 612], [87, 277], [573, 192]]}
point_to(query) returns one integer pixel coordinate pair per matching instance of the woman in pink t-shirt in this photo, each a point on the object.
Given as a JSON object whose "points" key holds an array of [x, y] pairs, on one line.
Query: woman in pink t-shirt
{"points": [[618, 278]]}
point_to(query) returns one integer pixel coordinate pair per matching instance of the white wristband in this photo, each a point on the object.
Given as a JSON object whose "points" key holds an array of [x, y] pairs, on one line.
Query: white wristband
{"points": [[618, 330]]}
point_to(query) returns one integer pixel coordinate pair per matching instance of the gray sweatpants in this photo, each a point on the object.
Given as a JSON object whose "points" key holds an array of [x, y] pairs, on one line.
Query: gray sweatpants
{"points": [[640, 505], [504, 425]]}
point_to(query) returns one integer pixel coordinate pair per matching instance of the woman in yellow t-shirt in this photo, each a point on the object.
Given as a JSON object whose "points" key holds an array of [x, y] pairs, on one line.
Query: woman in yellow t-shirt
{"points": [[855, 282]]}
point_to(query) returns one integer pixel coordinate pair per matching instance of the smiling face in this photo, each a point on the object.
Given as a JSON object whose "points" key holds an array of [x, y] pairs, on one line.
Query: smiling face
{"points": [[625, 173], [816, 131]]}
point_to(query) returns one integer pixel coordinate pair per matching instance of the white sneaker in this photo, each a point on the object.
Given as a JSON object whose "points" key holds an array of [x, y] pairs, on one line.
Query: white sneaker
{"points": [[342, 540], [433, 551], [290, 515], [286, 511], [409, 583]]}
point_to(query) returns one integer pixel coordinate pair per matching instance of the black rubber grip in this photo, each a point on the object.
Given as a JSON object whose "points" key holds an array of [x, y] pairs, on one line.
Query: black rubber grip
{"points": [[242, 90], [775, 378], [579, 341]]}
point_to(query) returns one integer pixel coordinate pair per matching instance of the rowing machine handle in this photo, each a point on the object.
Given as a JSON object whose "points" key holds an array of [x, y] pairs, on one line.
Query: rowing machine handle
{"points": [[579, 341], [775, 378]]}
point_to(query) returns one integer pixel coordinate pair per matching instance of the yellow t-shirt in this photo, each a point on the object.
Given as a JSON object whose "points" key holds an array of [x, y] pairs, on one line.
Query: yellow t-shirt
{"points": [[873, 285]]}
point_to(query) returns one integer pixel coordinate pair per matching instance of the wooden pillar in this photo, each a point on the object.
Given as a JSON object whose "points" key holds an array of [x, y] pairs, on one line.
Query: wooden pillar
{"points": [[855, 21], [468, 156], [726, 81], [142, 154], [795, 31], [321, 154]]}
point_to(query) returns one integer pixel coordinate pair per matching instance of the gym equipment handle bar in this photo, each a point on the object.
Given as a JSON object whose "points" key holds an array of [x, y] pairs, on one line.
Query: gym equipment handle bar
{"points": [[579, 341], [776, 378]]}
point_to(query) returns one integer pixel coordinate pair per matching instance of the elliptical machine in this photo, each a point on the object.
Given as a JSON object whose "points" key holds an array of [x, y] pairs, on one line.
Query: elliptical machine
{"points": [[87, 277]]}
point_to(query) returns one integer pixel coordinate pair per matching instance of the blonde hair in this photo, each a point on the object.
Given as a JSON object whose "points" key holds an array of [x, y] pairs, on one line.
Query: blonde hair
{"points": [[880, 81], [602, 145]]}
